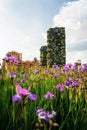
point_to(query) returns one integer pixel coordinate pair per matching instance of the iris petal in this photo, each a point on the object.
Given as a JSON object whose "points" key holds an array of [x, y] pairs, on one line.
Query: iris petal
{"points": [[16, 98], [32, 97]]}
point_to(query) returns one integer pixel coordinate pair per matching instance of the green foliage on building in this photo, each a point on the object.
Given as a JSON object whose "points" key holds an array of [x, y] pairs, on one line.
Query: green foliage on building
{"points": [[56, 52], [43, 55]]}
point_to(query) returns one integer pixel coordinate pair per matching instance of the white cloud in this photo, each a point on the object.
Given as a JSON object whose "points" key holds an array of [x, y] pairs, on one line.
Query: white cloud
{"points": [[73, 16], [77, 55], [14, 37]]}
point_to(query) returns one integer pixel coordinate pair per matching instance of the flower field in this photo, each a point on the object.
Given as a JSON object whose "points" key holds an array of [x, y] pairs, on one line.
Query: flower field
{"points": [[41, 98]]}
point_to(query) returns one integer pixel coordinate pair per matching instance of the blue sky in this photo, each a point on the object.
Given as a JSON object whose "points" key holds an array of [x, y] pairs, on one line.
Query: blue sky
{"points": [[24, 23]]}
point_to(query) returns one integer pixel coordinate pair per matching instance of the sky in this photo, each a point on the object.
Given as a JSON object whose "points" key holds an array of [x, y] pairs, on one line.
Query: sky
{"points": [[24, 25]]}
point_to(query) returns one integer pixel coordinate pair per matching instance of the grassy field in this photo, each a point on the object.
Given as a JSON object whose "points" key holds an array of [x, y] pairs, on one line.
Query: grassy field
{"points": [[43, 98]]}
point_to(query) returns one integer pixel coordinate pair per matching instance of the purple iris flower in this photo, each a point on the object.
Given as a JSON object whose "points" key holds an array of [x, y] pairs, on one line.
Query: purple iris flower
{"points": [[75, 84], [84, 68], [68, 82], [66, 68], [47, 71], [16, 98], [22, 81], [49, 95], [54, 65], [36, 72], [69, 65], [57, 68], [25, 75], [32, 97], [61, 87], [45, 115], [22, 91], [72, 83], [75, 68], [6, 59], [12, 75], [14, 60]]}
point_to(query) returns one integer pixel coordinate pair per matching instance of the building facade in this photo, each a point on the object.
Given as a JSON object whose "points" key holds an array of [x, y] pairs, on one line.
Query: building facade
{"points": [[56, 47]]}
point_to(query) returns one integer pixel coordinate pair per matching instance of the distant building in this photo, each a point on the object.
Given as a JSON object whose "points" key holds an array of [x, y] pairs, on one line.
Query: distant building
{"points": [[15, 54], [56, 52], [19, 65], [78, 63], [56, 47], [43, 55]]}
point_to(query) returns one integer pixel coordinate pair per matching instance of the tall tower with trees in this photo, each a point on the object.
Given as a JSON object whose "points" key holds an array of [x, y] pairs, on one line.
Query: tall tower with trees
{"points": [[43, 55], [55, 51], [56, 47]]}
